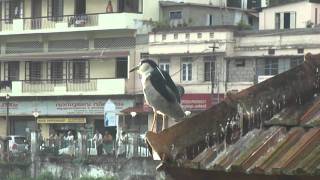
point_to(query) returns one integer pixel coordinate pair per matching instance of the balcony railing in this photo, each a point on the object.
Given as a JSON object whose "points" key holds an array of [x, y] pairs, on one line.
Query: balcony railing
{"points": [[63, 87], [63, 21], [113, 20]]}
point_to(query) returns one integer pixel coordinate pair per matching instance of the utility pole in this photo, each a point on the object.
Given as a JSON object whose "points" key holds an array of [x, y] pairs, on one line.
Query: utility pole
{"points": [[212, 74]]}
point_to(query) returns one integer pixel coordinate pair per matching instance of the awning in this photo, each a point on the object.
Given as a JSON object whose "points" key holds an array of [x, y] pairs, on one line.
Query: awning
{"points": [[65, 55], [61, 120]]}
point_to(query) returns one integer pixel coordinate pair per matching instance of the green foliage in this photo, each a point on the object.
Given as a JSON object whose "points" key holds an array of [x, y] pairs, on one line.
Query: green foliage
{"points": [[243, 26], [46, 176], [99, 178], [14, 176]]}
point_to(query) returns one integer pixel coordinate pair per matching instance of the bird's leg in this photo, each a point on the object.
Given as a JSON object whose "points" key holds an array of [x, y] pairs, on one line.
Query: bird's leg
{"points": [[164, 122], [154, 120]]}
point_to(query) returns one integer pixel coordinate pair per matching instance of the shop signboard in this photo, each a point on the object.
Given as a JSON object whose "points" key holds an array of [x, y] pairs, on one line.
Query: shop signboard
{"points": [[62, 107], [49, 120], [198, 102], [110, 117]]}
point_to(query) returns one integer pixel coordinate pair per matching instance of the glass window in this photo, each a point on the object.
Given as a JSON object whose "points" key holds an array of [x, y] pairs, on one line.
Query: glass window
{"points": [[144, 55], [209, 68], [56, 71], [165, 66], [211, 35], [12, 70], [35, 71], [271, 67], [175, 15], [79, 70], [187, 69], [122, 67]]}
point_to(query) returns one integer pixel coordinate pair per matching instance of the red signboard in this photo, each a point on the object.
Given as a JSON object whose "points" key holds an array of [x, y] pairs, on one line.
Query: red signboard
{"points": [[195, 102]]}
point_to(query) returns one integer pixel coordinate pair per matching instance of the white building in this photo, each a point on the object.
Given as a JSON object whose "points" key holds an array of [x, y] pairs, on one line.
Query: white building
{"points": [[65, 58]]}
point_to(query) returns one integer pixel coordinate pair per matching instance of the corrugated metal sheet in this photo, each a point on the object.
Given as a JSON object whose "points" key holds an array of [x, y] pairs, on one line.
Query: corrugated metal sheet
{"points": [[289, 144]]}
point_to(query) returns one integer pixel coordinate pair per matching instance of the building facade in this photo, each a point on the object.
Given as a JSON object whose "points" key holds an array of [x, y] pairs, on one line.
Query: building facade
{"points": [[61, 60]]}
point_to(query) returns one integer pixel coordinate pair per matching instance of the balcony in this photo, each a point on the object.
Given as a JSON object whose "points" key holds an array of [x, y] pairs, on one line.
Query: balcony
{"points": [[63, 87], [70, 23]]}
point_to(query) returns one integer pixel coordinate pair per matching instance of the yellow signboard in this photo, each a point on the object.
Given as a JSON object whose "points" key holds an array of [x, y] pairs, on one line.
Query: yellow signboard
{"points": [[60, 120]]}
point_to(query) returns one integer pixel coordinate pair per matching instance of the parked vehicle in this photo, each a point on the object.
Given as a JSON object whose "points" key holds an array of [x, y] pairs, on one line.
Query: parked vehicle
{"points": [[17, 144]]}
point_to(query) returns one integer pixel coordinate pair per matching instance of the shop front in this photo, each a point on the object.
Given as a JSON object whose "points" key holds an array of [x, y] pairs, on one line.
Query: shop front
{"points": [[59, 116]]}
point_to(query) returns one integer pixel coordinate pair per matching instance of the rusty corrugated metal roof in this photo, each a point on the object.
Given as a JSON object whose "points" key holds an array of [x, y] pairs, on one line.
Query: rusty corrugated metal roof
{"points": [[282, 115]]}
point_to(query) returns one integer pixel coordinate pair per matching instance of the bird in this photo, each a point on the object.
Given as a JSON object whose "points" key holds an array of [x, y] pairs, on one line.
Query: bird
{"points": [[159, 91]]}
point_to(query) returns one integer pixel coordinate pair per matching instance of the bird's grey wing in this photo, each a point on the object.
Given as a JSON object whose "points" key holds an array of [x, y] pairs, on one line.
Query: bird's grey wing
{"points": [[172, 86], [160, 84]]}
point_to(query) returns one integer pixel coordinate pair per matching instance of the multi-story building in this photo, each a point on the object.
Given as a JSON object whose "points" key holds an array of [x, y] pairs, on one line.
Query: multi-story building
{"points": [[61, 60], [194, 57], [175, 14], [287, 32]]}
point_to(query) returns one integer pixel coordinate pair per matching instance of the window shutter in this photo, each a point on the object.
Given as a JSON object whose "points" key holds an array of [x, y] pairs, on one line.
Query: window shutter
{"points": [[49, 9], [27, 71], [292, 20], [6, 71], [281, 20]]}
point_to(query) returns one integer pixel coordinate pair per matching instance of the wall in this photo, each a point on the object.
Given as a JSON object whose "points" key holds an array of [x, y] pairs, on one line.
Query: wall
{"points": [[241, 74], [198, 16], [302, 9], [102, 68]]}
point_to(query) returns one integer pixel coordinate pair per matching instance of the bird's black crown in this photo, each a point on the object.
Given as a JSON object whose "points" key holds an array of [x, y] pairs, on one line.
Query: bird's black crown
{"points": [[150, 62]]}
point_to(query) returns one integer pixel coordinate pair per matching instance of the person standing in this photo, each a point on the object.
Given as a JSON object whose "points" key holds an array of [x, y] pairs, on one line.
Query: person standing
{"points": [[98, 140]]}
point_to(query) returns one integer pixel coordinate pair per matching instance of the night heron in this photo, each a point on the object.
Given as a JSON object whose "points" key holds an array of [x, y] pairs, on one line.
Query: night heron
{"points": [[159, 91]]}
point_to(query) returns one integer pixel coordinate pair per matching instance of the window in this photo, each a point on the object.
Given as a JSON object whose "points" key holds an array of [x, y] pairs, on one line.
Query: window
{"points": [[271, 67], [175, 15], [12, 71], [210, 18], [56, 71], [209, 68], [296, 62], [186, 69], [187, 36], [271, 51], [79, 70], [316, 16], [35, 71], [80, 7], [285, 20], [144, 55], [300, 51], [175, 35], [55, 10], [122, 67], [164, 64], [211, 35], [13, 9], [234, 3], [164, 36], [133, 6], [199, 35], [240, 62]]}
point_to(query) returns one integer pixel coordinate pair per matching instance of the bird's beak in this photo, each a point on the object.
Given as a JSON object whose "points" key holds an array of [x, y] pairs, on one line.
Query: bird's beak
{"points": [[135, 68]]}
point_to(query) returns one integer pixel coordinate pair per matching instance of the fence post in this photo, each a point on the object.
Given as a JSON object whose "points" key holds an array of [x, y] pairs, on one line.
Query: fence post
{"points": [[82, 142], [34, 149]]}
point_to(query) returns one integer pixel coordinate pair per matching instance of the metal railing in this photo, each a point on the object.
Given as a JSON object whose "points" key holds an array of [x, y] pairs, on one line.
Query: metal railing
{"points": [[128, 147], [52, 22], [49, 85], [69, 21]]}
